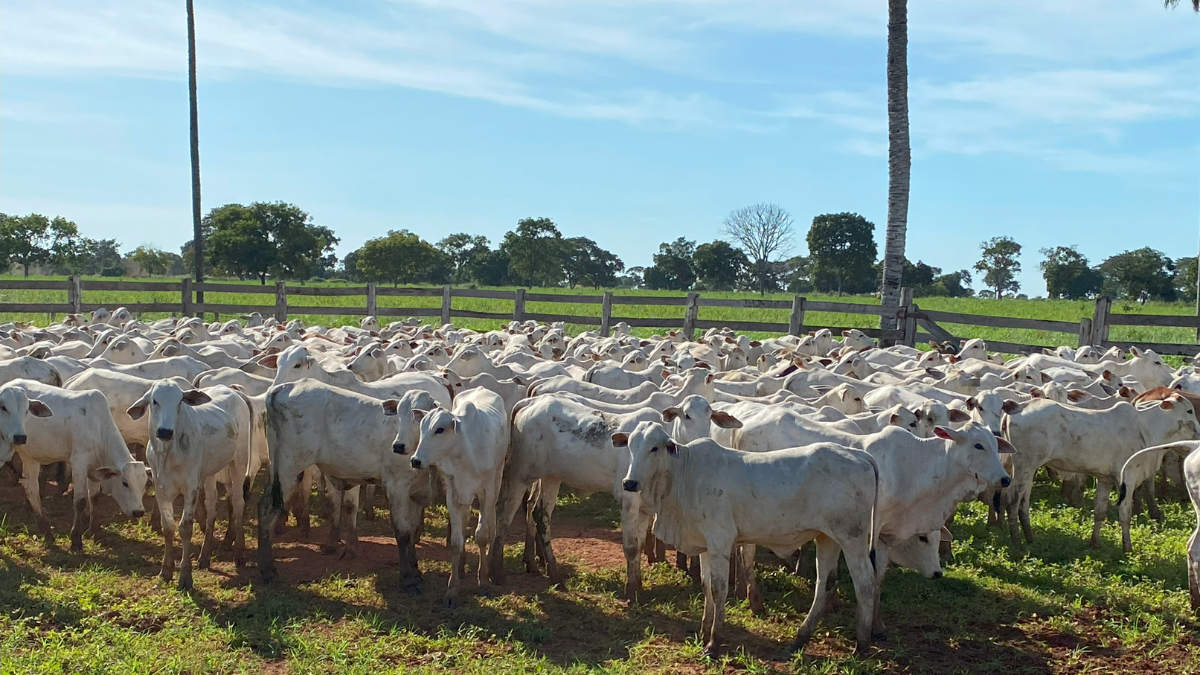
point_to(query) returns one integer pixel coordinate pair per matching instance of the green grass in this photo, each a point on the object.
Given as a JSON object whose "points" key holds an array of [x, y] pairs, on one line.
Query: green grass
{"points": [[1060, 608], [1058, 310]]}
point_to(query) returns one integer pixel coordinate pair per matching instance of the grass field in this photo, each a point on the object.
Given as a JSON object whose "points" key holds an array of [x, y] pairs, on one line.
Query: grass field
{"points": [[1059, 310], [1060, 608]]}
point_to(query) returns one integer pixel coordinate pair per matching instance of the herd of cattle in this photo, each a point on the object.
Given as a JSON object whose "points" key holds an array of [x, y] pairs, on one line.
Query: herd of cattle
{"points": [[711, 447]]}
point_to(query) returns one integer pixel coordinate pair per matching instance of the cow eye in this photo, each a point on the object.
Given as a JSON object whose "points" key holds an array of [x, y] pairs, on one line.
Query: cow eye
{"points": [[3, 408], [978, 446], [125, 483], [654, 449], [439, 430], [923, 539]]}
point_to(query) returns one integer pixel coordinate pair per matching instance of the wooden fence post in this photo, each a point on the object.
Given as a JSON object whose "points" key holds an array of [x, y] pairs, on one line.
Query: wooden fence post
{"points": [[519, 304], [75, 294], [691, 313], [281, 309], [372, 299], [910, 317], [1100, 321], [447, 296], [1085, 331], [796, 320], [187, 297], [606, 314]]}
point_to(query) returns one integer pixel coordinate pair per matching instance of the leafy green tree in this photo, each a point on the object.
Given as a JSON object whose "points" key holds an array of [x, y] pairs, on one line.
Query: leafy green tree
{"points": [[798, 278], [585, 262], [719, 266], [153, 261], [842, 249], [95, 256], [1068, 274], [1129, 274], [267, 238], [26, 240], [467, 252], [1000, 265], [402, 257], [535, 252], [952, 285], [1185, 279], [672, 269]]}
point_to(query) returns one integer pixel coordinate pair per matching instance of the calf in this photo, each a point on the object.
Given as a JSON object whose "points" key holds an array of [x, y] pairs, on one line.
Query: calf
{"points": [[82, 434], [467, 445], [200, 437], [709, 499], [14, 404]]}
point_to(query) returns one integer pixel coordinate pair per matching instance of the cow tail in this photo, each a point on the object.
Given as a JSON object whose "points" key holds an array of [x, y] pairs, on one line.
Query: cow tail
{"points": [[1125, 468], [249, 443], [874, 512]]}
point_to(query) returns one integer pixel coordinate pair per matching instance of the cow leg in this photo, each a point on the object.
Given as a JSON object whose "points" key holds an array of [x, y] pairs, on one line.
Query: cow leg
{"points": [[1151, 501], [746, 564], [1103, 488], [82, 509], [336, 498], [368, 501], [648, 547], [632, 530], [706, 620], [166, 507], [863, 573], [33, 493], [459, 516], [880, 571], [1026, 527], [827, 567], [210, 523], [1193, 553], [186, 520], [512, 492], [485, 533], [302, 502], [406, 518], [806, 561], [717, 584], [543, 514], [237, 519], [349, 521]]}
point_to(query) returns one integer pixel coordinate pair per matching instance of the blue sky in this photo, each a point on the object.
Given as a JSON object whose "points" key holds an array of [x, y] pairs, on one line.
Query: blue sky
{"points": [[631, 122]]}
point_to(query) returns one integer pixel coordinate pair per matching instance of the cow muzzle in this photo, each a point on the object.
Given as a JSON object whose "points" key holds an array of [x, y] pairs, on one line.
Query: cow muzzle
{"points": [[416, 463], [1005, 482], [630, 485], [398, 448], [20, 439], [138, 513], [165, 434]]}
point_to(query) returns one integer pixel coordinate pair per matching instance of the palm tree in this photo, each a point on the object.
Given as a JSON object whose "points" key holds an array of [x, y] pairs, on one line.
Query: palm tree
{"points": [[899, 157], [197, 238], [1171, 4]]}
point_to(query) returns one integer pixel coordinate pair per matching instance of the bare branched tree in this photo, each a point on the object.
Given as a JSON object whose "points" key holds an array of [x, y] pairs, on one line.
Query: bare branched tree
{"points": [[1170, 4], [764, 231]]}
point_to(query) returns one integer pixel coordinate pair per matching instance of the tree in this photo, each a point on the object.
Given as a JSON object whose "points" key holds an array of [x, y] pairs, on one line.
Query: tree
{"points": [[267, 238], [672, 268], [842, 249], [952, 285], [899, 158], [764, 231], [1068, 274], [1000, 265], [585, 262], [153, 261], [1129, 274], [467, 252], [402, 257], [534, 252], [719, 266], [798, 277], [1185, 278], [27, 239], [1170, 4]]}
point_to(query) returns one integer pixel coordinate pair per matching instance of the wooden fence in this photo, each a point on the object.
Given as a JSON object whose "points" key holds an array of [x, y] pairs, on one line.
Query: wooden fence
{"points": [[914, 324]]}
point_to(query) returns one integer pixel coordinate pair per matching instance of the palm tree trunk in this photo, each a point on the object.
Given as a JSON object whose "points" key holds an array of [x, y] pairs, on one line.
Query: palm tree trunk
{"points": [[197, 234], [899, 157]]}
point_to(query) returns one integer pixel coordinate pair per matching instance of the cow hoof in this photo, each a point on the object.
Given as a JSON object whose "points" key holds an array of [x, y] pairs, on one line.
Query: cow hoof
{"points": [[76, 546], [451, 603], [412, 589], [712, 652], [268, 576], [327, 549], [185, 584], [348, 554], [484, 592]]}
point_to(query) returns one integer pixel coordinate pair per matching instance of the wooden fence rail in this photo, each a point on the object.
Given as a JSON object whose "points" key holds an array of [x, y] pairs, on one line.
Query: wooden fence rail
{"points": [[916, 324]]}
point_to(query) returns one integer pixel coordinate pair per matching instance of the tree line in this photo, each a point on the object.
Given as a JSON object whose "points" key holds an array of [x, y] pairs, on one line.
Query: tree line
{"points": [[280, 241]]}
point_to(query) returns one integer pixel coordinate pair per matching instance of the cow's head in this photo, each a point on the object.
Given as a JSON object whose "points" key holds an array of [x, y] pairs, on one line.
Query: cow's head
{"points": [[921, 552], [977, 450], [691, 419], [14, 404], [650, 448], [439, 429], [408, 411], [162, 404]]}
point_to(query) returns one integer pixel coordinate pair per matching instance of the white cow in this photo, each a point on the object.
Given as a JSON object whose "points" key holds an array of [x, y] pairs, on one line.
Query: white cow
{"points": [[1092, 442], [28, 368], [14, 404], [709, 499], [121, 391], [467, 446], [297, 362], [82, 434], [201, 437]]}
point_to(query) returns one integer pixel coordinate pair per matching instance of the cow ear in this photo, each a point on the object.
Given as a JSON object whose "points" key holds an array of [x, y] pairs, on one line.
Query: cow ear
{"points": [[620, 440], [725, 420], [1135, 352], [843, 394], [845, 333], [972, 404], [389, 406], [948, 434], [269, 361], [196, 397], [708, 379], [1037, 393], [957, 415], [669, 414], [103, 473], [947, 535], [1076, 395], [672, 448], [39, 409], [1004, 447], [418, 415], [755, 343], [1011, 407], [138, 409], [895, 421], [1168, 404]]}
